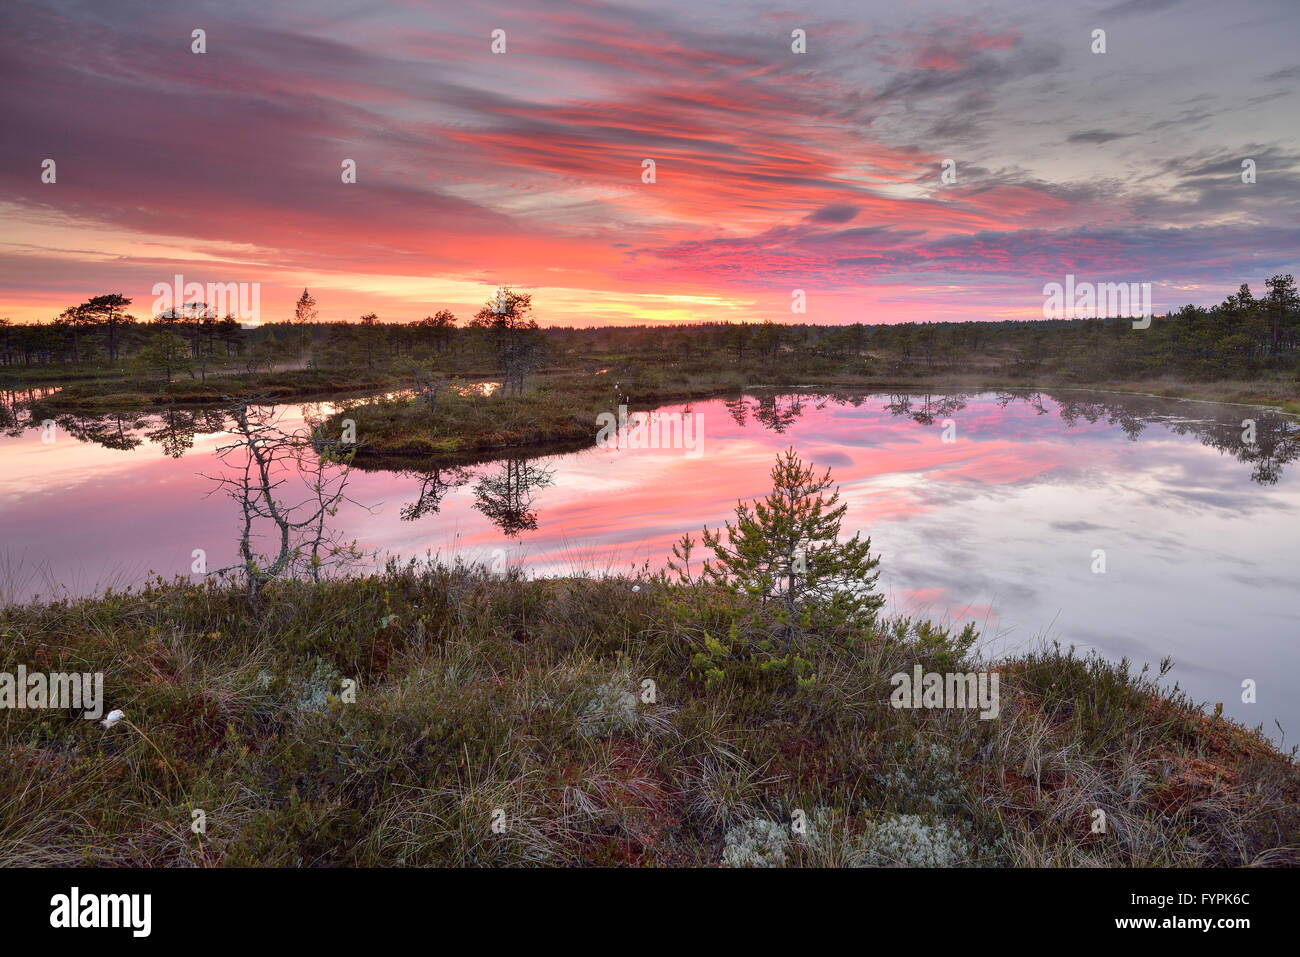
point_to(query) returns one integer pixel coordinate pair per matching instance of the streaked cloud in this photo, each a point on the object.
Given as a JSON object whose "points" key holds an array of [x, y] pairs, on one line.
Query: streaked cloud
{"points": [[773, 170]]}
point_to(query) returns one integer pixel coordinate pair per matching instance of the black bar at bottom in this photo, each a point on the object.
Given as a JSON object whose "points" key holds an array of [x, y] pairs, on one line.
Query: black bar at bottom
{"points": [[660, 908]]}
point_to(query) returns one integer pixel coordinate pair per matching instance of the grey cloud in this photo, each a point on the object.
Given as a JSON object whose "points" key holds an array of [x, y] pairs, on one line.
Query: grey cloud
{"points": [[836, 213], [1096, 136]]}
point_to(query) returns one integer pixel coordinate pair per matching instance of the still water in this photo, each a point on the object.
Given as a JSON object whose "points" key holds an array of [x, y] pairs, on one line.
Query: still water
{"points": [[995, 507]]}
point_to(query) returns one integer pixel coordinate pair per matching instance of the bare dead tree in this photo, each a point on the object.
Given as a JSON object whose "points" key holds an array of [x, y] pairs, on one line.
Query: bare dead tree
{"points": [[287, 484], [427, 385]]}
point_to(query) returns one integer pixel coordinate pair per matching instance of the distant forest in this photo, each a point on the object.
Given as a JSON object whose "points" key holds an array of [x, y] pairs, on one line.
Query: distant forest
{"points": [[1242, 336]]}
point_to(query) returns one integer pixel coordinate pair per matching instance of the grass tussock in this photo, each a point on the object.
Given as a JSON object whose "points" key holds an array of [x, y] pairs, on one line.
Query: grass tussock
{"points": [[120, 393], [488, 700], [558, 409]]}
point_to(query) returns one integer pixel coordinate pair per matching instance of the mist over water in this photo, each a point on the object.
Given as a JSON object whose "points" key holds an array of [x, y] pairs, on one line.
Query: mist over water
{"points": [[1001, 525]]}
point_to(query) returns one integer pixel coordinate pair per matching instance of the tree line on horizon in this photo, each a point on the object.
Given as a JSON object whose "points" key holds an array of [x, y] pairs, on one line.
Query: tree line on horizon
{"points": [[1242, 335], [101, 334]]}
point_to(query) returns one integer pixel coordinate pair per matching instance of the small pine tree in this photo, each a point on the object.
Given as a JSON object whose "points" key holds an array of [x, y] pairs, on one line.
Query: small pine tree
{"points": [[785, 551], [167, 353], [304, 312]]}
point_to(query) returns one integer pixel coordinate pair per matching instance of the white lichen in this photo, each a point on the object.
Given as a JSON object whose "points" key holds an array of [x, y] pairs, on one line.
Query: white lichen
{"points": [[325, 683], [931, 777], [908, 840], [611, 709], [756, 843]]}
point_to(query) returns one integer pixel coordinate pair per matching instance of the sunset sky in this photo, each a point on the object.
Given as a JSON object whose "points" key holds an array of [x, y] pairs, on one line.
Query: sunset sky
{"points": [[775, 170]]}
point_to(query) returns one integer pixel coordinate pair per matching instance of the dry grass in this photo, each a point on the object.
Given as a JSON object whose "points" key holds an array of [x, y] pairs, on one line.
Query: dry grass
{"points": [[522, 699]]}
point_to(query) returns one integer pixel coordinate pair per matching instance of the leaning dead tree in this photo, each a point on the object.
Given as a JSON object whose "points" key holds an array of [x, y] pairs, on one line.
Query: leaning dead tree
{"points": [[427, 386], [286, 484]]}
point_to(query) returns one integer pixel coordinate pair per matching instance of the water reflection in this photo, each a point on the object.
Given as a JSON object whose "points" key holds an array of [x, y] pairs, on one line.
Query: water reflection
{"points": [[998, 527], [17, 405], [778, 412], [506, 495], [1263, 439], [926, 408], [435, 483], [288, 485], [118, 430]]}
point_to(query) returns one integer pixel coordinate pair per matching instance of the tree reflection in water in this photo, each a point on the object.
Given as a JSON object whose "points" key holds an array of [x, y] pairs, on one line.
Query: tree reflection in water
{"points": [[506, 496], [434, 485]]}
